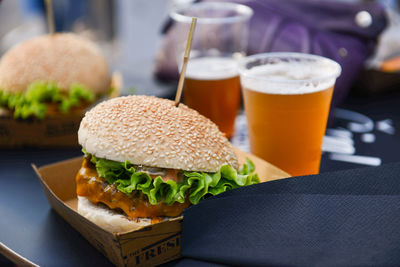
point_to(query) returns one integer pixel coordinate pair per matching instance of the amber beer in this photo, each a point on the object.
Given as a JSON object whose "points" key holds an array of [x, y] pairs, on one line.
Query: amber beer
{"points": [[212, 87], [287, 105]]}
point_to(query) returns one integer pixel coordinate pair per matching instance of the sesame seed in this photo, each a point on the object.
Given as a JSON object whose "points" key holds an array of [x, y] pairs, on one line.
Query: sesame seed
{"points": [[145, 129]]}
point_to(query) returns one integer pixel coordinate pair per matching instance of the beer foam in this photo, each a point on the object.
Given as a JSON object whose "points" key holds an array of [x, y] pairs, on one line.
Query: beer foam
{"points": [[211, 68], [290, 77]]}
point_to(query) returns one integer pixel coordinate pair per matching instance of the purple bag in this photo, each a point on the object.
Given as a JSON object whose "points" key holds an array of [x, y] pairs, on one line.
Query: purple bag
{"points": [[344, 32]]}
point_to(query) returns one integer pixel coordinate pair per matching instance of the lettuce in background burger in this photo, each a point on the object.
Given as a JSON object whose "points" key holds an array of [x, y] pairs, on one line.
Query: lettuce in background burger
{"points": [[51, 75], [146, 160]]}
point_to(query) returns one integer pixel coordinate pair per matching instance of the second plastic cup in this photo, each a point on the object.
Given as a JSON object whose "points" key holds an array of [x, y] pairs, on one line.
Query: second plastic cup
{"points": [[212, 84]]}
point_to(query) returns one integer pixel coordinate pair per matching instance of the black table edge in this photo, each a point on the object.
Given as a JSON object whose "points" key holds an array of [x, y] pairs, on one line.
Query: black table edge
{"points": [[15, 257]]}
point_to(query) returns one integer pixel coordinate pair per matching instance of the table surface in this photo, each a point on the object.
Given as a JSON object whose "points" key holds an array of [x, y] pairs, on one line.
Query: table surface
{"points": [[32, 229]]}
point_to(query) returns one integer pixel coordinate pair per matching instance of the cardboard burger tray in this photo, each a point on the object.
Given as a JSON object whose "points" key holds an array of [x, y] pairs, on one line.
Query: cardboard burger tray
{"points": [[147, 246], [56, 131]]}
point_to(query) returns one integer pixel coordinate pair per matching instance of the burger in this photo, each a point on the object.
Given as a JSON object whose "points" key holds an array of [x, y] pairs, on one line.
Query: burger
{"points": [[52, 75], [147, 160]]}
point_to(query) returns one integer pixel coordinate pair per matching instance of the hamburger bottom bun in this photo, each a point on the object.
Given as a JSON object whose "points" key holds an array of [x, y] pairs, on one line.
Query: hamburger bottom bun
{"points": [[108, 219]]}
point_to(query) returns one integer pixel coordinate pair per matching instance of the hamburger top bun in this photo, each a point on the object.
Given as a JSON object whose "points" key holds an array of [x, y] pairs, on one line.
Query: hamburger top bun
{"points": [[152, 131], [108, 219], [63, 58]]}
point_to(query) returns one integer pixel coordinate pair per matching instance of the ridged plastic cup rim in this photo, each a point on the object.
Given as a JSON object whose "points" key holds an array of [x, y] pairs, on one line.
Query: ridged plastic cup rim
{"points": [[243, 13]]}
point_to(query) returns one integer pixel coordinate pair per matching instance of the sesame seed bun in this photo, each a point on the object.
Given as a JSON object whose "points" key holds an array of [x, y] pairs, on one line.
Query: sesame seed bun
{"points": [[63, 58], [153, 132]]}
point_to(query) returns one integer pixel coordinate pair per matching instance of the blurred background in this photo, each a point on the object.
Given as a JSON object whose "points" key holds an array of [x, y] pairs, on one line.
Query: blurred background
{"points": [[130, 34]]}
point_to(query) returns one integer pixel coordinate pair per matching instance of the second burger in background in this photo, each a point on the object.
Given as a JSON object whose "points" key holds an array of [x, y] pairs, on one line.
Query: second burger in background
{"points": [[51, 75], [146, 160]]}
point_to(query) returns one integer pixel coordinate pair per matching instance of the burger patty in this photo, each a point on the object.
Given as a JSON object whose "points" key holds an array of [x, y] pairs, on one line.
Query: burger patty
{"points": [[97, 190], [54, 110]]}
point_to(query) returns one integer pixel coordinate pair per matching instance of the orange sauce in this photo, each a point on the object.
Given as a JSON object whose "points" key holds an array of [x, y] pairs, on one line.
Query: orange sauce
{"points": [[97, 190]]}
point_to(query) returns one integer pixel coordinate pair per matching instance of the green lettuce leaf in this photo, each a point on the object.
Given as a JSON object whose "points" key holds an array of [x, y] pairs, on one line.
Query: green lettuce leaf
{"points": [[33, 102], [195, 185]]}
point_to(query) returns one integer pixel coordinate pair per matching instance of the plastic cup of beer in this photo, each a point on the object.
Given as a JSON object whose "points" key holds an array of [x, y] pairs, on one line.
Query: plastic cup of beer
{"points": [[212, 84], [287, 97]]}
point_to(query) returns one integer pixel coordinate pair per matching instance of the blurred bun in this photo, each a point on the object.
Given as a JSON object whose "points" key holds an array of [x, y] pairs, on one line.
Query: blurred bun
{"points": [[108, 219], [64, 58], [153, 132]]}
